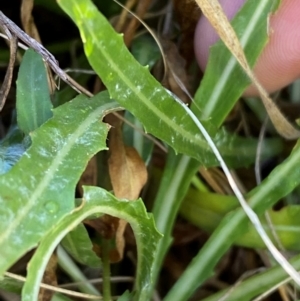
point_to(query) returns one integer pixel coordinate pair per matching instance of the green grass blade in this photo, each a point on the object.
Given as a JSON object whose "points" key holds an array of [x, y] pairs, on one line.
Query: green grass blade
{"points": [[282, 180], [206, 211], [175, 182], [75, 272], [256, 285], [136, 90], [34, 106], [39, 190], [98, 200]]}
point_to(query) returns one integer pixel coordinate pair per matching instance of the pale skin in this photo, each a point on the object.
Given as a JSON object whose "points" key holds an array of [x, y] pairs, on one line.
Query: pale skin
{"points": [[279, 63]]}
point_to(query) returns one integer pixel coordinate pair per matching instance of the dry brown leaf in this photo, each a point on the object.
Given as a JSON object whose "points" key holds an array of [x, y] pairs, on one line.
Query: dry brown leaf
{"points": [[214, 13], [127, 171], [28, 21], [106, 226], [49, 278], [128, 175], [109, 227]]}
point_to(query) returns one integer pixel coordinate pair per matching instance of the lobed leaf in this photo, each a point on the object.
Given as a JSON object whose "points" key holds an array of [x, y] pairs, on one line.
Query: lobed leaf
{"points": [[39, 190], [97, 200], [136, 90]]}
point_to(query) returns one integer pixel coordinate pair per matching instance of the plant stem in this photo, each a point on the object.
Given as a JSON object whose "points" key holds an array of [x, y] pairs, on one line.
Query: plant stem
{"points": [[106, 269]]}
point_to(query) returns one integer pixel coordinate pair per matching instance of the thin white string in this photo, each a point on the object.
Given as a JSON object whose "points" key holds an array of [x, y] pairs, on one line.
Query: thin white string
{"points": [[248, 210]]}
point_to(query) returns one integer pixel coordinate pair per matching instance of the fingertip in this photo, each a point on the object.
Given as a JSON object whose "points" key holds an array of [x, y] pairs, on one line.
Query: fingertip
{"points": [[206, 36], [279, 63]]}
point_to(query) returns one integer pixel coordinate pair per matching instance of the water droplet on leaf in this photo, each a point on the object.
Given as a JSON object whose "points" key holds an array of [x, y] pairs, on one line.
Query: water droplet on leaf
{"points": [[51, 207]]}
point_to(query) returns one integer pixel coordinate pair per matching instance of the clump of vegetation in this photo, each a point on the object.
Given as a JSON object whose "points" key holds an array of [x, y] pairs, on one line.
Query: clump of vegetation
{"points": [[123, 178]]}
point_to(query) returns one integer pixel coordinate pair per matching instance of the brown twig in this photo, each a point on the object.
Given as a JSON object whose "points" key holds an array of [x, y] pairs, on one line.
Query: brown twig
{"points": [[11, 27]]}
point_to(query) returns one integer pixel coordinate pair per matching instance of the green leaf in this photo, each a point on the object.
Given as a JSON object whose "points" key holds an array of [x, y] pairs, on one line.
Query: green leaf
{"points": [[133, 136], [33, 100], [66, 263], [145, 50], [127, 296], [255, 285], [281, 181], [97, 200], [224, 80], [60, 297], [206, 211], [79, 245], [174, 184], [39, 190], [11, 285], [136, 90]]}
